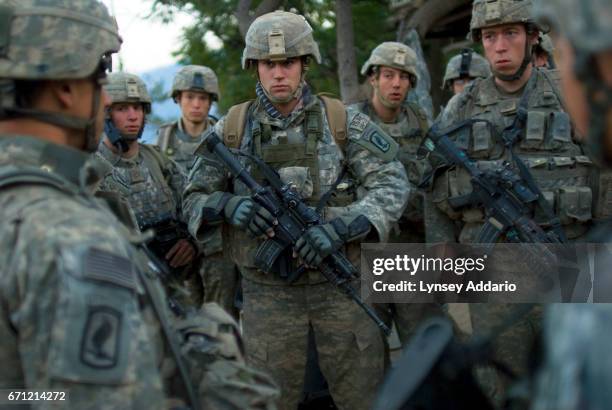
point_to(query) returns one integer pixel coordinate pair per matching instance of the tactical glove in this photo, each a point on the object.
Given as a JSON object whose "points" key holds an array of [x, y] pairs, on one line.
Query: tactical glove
{"points": [[245, 214], [320, 241]]}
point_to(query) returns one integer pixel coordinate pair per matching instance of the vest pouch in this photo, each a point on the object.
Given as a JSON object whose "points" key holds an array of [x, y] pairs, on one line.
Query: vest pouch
{"points": [[481, 140], [560, 128], [539, 216], [440, 194], [601, 183], [534, 134], [575, 204]]}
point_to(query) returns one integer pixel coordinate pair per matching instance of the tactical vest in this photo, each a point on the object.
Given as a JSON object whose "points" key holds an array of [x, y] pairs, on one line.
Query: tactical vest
{"points": [[556, 162], [144, 183], [299, 157], [179, 146]]}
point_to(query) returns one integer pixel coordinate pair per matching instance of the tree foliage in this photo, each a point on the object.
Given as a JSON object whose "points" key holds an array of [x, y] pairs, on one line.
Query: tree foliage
{"points": [[219, 17]]}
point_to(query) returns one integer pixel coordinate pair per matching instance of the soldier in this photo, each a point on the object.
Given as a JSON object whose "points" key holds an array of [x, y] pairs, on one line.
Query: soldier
{"points": [[463, 68], [576, 364], [544, 56], [545, 149], [392, 73], [194, 89], [149, 182], [82, 312], [304, 137]]}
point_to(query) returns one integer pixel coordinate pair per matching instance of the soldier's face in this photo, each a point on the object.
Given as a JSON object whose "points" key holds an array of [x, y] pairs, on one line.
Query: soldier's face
{"points": [[504, 47], [128, 118], [194, 106], [280, 78], [390, 86]]}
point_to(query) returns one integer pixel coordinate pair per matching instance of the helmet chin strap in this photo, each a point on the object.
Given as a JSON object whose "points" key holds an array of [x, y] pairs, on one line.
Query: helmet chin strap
{"points": [[293, 96], [521, 70]]}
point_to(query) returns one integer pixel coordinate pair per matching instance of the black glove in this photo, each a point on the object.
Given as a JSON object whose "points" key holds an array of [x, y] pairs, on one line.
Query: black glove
{"points": [[244, 213]]}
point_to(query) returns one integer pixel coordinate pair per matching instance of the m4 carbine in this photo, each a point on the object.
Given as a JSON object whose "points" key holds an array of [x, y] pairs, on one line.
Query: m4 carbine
{"points": [[294, 218]]}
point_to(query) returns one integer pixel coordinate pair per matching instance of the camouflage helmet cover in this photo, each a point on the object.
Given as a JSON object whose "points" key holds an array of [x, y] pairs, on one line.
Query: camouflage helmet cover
{"points": [[277, 36], [54, 39], [128, 88], [545, 44], [392, 54], [196, 78], [477, 67], [487, 13], [586, 23]]}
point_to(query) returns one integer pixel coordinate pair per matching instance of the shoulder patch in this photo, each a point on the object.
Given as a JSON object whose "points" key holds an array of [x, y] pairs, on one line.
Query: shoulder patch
{"points": [[359, 122], [104, 266], [378, 142]]}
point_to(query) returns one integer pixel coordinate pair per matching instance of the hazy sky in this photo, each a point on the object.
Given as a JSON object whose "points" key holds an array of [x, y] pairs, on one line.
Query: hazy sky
{"points": [[147, 43]]}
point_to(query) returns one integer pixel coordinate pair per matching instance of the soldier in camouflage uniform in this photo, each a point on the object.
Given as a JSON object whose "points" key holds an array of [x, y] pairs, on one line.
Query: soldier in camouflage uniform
{"points": [[463, 68], [576, 366], [149, 182], [392, 73], [291, 130], [81, 311], [554, 161], [194, 89], [544, 56]]}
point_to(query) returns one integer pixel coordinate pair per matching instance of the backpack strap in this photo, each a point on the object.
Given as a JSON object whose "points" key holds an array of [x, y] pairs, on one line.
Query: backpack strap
{"points": [[156, 161], [163, 136], [234, 123], [420, 114], [336, 118]]}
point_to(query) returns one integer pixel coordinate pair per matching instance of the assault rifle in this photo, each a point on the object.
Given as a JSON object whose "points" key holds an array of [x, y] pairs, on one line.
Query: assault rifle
{"points": [[294, 218], [503, 194]]}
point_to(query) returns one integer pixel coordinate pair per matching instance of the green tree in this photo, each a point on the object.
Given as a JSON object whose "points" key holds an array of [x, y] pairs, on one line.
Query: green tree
{"points": [[227, 19]]}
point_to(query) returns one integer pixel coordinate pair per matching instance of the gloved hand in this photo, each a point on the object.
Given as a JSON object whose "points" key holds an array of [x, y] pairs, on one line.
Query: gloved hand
{"points": [[244, 213], [320, 241]]}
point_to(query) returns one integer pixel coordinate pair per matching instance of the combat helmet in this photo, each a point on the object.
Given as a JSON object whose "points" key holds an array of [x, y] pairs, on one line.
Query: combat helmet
{"points": [[128, 88], [395, 55], [468, 63], [37, 45], [125, 88], [586, 25], [487, 13], [277, 36], [196, 78]]}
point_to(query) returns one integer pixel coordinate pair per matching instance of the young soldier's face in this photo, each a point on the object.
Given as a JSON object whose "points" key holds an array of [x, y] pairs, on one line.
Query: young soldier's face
{"points": [[280, 78], [194, 105], [390, 86], [128, 118], [504, 47]]}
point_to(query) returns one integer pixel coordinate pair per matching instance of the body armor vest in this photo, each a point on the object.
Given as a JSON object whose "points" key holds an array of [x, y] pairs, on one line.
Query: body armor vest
{"points": [[556, 163], [178, 145], [143, 182]]}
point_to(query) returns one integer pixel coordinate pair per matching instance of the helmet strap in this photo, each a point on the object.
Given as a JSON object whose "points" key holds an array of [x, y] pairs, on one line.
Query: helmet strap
{"points": [[524, 64]]}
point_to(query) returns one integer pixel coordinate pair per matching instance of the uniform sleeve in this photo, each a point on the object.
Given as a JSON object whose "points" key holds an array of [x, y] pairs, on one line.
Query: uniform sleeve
{"points": [[71, 317], [206, 177], [382, 180]]}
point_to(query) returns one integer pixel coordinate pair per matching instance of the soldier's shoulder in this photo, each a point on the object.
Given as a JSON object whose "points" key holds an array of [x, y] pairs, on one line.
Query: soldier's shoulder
{"points": [[365, 133]]}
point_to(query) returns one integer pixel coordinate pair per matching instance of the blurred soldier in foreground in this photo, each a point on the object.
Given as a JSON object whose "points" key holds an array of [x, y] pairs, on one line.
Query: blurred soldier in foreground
{"points": [[391, 70], [544, 52], [149, 182], [577, 368], [527, 128], [304, 138], [463, 68], [194, 89], [82, 310]]}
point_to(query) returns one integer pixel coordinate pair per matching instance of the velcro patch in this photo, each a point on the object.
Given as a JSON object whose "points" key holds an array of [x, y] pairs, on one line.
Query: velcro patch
{"points": [[359, 122], [379, 141]]}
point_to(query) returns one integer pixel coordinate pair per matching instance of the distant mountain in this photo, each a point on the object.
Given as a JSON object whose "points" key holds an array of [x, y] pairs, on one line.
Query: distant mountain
{"points": [[167, 110]]}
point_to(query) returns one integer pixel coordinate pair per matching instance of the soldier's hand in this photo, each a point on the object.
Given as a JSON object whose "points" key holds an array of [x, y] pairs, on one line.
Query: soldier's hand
{"points": [[181, 253], [246, 214], [317, 243]]}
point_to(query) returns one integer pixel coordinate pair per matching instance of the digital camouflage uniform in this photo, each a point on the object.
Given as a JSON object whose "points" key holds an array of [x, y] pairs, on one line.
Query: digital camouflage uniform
{"points": [[277, 316], [557, 164], [151, 184], [219, 275], [80, 309], [467, 64], [408, 128], [576, 364]]}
